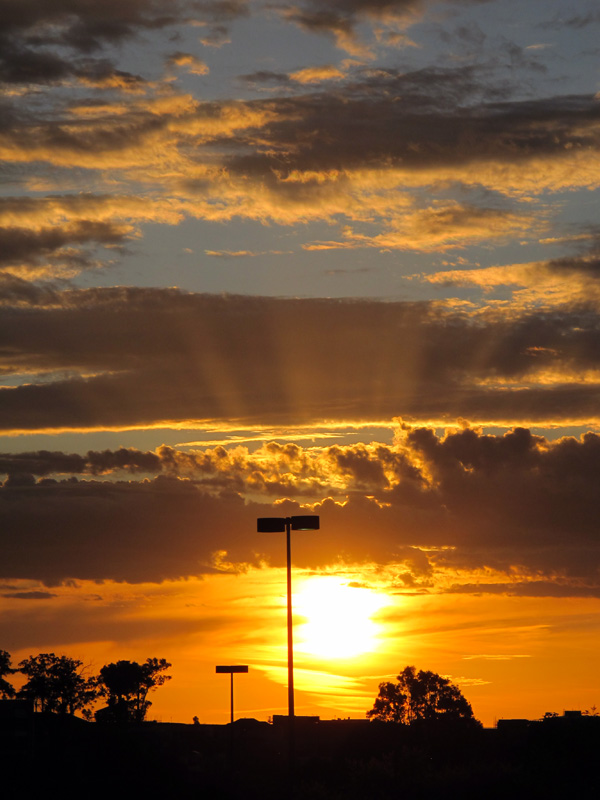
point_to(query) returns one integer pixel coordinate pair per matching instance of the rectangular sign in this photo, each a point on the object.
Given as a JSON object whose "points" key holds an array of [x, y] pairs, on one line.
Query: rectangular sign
{"points": [[238, 668]]}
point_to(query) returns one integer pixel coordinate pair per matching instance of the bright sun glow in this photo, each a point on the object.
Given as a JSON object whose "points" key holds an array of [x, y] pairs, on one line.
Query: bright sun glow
{"points": [[338, 617]]}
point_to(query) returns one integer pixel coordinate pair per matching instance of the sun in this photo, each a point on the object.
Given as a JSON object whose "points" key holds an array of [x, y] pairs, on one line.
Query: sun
{"points": [[338, 618]]}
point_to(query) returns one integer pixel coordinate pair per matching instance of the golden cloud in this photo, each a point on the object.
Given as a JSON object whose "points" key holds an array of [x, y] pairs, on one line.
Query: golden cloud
{"points": [[327, 72]]}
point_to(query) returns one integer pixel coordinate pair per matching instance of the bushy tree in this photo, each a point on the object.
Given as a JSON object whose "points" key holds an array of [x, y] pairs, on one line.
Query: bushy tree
{"points": [[57, 684], [420, 697], [7, 690], [126, 684]]}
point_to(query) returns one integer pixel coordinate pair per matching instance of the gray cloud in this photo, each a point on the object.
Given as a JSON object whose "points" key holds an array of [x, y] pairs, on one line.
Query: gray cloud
{"points": [[38, 37], [29, 595], [266, 77], [26, 246], [123, 531], [33, 67], [327, 131], [417, 120], [82, 25], [221, 10], [575, 21], [527, 589], [15, 291], [341, 17], [146, 356], [35, 35], [44, 462], [516, 503]]}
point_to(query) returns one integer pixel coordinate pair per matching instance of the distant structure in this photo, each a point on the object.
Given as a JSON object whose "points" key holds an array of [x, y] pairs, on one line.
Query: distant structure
{"points": [[568, 717]]}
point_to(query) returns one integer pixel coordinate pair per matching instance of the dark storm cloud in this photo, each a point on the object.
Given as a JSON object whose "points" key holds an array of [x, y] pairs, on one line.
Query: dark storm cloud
{"points": [[513, 501], [147, 356], [124, 531], [517, 490], [516, 503]]}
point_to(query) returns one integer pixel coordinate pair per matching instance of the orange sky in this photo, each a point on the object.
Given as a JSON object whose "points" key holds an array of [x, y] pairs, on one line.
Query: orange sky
{"points": [[509, 655], [324, 257]]}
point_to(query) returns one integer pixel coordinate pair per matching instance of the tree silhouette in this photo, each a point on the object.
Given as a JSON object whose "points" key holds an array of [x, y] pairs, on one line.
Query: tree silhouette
{"points": [[126, 684], [6, 688], [420, 697], [56, 683]]}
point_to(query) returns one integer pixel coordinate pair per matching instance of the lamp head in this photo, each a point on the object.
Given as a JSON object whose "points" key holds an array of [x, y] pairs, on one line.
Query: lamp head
{"points": [[308, 522], [270, 525]]}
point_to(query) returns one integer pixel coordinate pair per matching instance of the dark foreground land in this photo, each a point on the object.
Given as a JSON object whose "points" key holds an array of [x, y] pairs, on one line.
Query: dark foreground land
{"points": [[335, 760]]}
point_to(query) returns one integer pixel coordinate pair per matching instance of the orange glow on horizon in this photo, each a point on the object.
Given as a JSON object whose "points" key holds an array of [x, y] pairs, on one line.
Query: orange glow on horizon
{"points": [[348, 638]]}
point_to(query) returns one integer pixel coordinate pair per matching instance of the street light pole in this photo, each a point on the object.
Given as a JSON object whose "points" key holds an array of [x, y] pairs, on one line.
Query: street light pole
{"points": [[279, 525], [290, 628]]}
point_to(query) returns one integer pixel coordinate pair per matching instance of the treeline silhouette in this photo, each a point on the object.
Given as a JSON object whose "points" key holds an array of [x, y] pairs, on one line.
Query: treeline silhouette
{"points": [[335, 760], [59, 684], [419, 697], [424, 757]]}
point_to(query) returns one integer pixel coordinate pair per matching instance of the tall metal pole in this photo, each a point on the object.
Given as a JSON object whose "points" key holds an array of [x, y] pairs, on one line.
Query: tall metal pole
{"points": [[309, 522], [290, 638], [290, 632], [232, 697]]}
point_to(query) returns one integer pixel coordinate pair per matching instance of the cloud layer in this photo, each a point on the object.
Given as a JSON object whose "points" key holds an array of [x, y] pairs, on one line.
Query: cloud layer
{"points": [[445, 509], [143, 357], [380, 153]]}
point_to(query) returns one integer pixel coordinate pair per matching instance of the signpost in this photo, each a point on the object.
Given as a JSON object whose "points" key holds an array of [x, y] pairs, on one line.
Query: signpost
{"points": [[231, 670]]}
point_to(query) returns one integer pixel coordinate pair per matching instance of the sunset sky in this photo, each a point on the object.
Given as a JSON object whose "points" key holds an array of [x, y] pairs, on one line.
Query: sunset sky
{"points": [[338, 257]]}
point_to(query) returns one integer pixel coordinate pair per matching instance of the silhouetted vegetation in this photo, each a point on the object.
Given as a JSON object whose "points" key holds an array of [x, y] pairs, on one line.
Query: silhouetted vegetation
{"points": [[336, 760], [422, 758], [6, 688], [126, 684], [56, 683], [419, 697]]}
